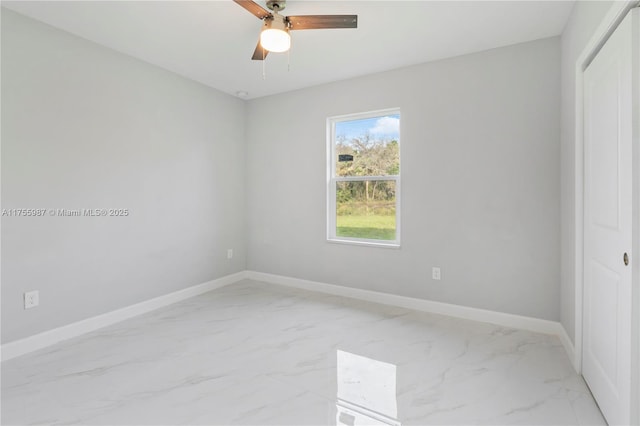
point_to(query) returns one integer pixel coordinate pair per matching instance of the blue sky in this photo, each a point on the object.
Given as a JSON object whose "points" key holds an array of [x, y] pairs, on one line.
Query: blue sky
{"points": [[384, 127]]}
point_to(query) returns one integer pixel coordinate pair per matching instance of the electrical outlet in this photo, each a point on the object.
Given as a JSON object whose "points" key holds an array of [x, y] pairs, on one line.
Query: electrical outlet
{"points": [[31, 299], [435, 273], [229, 253]]}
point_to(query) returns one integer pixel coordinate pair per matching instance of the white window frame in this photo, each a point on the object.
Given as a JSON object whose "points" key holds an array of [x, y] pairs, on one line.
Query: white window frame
{"points": [[332, 179]]}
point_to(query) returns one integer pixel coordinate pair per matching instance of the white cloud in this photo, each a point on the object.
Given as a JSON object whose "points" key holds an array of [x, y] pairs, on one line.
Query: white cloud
{"points": [[386, 126]]}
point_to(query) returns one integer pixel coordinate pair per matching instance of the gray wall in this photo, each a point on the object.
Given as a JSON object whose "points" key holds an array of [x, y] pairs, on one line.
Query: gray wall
{"points": [[86, 127], [585, 18], [480, 181]]}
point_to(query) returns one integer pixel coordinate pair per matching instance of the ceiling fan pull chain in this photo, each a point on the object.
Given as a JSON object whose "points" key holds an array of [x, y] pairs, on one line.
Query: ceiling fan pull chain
{"points": [[288, 60]]}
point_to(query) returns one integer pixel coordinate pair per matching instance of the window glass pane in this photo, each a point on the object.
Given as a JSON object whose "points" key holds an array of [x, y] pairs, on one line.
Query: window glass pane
{"points": [[368, 147], [366, 209]]}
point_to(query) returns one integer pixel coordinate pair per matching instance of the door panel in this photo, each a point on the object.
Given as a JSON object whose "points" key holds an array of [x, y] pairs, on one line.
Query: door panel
{"points": [[605, 295], [607, 233], [605, 153]]}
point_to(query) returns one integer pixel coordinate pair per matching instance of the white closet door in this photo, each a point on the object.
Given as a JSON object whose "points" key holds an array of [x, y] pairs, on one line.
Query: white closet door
{"points": [[608, 225]]}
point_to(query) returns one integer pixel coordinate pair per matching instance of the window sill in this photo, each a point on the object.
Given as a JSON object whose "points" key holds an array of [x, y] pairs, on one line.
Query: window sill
{"points": [[365, 243]]}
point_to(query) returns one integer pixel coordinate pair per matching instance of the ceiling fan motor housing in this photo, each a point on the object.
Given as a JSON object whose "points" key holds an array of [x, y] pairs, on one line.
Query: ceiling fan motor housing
{"points": [[276, 21]]}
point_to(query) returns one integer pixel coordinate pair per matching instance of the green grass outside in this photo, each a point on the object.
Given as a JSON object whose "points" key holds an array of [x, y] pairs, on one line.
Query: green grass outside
{"points": [[375, 227]]}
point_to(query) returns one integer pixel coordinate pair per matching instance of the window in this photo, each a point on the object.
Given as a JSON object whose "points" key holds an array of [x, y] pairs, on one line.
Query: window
{"points": [[364, 178]]}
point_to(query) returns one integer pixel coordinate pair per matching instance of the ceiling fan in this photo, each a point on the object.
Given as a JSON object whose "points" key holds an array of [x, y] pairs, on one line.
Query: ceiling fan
{"points": [[275, 37]]}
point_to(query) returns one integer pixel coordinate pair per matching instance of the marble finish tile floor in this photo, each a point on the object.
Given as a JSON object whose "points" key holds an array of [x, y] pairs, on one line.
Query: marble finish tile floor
{"points": [[258, 354]]}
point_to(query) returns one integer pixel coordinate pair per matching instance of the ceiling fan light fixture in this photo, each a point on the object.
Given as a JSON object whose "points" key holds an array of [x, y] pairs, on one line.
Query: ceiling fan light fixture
{"points": [[275, 35]]}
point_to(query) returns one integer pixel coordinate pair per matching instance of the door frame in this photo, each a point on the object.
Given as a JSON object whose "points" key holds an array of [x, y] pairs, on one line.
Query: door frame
{"points": [[614, 16]]}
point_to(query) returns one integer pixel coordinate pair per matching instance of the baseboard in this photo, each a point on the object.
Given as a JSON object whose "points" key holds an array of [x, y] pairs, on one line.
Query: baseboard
{"points": [[568, 347], [507, 320], [20, 347], [51, 337]]}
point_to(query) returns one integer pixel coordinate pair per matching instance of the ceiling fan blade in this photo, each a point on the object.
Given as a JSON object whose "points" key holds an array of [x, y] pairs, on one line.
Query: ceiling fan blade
{"points": [[260, 53], [254, 8], [318, 22]]}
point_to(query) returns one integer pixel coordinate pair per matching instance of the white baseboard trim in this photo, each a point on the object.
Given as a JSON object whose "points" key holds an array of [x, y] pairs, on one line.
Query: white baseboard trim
{"points": [[32, 343], [51, 337], [499, 318], [568, 347]]}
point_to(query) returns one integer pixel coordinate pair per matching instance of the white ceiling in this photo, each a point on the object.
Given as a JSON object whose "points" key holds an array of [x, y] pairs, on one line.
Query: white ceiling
{"points": [[212, 41]]}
